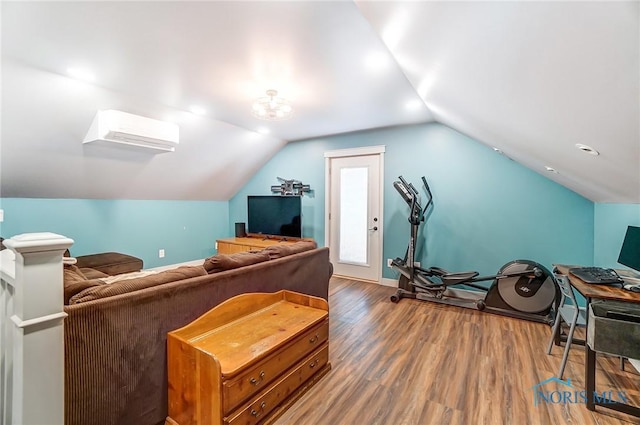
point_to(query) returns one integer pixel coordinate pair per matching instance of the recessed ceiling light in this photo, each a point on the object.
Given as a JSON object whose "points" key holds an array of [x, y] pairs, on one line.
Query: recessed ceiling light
{"points": [[83, 74], [550, 169], [587, 149], [198, 110], [264, 130]]}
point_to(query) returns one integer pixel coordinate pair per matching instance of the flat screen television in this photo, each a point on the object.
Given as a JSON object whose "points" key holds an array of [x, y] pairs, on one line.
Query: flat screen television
{"points": [[278, 216], [630, 251]]}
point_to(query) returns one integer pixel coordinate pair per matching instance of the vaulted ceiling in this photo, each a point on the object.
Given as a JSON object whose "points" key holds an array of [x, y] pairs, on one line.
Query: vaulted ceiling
{"points": [[532, 79]]}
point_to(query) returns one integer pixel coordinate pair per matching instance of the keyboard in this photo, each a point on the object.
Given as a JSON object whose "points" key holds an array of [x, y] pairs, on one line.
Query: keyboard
{"points": [[596, 275]]}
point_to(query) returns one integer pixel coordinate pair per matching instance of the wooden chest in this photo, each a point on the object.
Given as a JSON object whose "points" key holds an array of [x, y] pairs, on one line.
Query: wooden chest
{"points": [[248, 359]]}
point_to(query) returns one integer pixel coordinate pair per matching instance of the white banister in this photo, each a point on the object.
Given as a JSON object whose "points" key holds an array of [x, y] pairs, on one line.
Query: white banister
{"points": [[32, 330]]}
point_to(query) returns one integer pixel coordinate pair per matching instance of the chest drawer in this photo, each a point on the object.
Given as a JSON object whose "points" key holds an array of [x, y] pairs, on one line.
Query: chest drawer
{"points": [[247, 360], [255, 411], [254, 379]]}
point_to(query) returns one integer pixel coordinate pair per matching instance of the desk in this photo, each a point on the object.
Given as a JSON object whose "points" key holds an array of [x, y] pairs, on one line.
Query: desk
{"points": [[599, 292]]}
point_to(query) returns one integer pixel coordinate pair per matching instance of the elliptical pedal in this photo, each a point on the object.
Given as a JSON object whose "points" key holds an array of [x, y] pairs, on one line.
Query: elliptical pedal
{"points": [[435, 288]]}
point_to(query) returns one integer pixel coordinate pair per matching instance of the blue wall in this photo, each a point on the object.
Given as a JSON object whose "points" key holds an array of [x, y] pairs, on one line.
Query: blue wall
{"points": [[611, 221], [186, 230], [488, 209]]}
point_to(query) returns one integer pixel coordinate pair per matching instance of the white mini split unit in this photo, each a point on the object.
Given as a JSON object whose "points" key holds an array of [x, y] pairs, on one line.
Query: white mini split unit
{"points": [[127, 129]]}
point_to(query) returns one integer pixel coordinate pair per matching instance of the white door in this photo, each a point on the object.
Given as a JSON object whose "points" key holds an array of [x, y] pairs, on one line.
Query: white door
{"points": [[355, 216]]}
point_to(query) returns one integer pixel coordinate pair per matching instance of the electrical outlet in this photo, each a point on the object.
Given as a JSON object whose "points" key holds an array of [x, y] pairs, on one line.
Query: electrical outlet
{"points": [[161, 253], [1, 216], [389, 261], [416, 263]]}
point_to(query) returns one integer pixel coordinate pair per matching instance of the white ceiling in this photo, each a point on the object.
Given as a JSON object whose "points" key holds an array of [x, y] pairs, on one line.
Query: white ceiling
{"points": [[530, 78]]}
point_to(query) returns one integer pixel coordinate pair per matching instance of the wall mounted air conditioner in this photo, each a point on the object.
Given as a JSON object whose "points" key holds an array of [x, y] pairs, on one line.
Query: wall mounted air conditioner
{"points": [[112, 126]]}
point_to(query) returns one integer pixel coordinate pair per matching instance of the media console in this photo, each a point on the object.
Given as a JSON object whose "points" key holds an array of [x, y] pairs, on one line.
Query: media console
{"points": [[233, 245]]}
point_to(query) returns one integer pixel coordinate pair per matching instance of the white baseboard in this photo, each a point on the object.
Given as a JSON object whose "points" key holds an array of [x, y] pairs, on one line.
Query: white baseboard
{"points": [[389, 282], [384, 281]]}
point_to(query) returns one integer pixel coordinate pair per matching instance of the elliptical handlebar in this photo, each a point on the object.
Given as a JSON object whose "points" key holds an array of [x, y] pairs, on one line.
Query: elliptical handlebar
{"points": [[408, 185], [411, 196], [428, 189]]}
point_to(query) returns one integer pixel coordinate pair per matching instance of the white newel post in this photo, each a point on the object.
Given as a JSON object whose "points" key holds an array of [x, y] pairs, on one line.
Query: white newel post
{"points": [[33, 331]]}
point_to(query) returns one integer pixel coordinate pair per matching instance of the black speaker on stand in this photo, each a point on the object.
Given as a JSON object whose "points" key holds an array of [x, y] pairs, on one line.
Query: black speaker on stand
{"points": [[240, 230]]}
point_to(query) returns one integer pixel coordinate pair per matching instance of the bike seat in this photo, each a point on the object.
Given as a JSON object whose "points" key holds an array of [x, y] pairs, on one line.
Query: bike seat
{"points": [[460, 277]]}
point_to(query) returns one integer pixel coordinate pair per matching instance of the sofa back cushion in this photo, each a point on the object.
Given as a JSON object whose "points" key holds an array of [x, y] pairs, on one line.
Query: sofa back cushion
{"points": [[135, 284], [221, 262], [282, 250], [90, 273], [75, 282]]}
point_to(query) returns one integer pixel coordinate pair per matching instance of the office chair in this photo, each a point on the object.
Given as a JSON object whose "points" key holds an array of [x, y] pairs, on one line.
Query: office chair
{"points": [[570, 313]]}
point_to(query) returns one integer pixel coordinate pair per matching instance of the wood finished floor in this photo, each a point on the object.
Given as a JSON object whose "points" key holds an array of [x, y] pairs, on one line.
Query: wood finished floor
{"points": [[422, 363]]}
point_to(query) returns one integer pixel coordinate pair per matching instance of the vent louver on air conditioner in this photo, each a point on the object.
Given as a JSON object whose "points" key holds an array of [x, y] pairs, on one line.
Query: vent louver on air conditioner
{"points": [[127, 129]]}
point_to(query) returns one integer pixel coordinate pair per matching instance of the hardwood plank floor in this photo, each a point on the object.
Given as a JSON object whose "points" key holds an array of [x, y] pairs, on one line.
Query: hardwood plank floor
{"points": [[422, 363]]}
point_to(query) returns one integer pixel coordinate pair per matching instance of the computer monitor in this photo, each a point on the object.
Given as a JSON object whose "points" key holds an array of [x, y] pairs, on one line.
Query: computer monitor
{"points": [[630, 251]]}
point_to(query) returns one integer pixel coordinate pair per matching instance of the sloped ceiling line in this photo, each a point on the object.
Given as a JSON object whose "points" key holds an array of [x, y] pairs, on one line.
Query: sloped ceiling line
{"points": [[531, 78]]}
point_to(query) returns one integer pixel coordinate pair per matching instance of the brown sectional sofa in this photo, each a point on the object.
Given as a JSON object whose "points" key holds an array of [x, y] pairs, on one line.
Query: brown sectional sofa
{"points": [[110, 263], [115, 334]]}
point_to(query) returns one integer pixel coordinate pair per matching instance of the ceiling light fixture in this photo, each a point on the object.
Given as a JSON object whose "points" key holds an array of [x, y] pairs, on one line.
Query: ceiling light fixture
{"points": [[272, 107], [550, 169], [587, 149]]}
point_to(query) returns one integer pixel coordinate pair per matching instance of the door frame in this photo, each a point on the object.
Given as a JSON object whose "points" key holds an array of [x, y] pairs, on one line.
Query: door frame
{"points": [[366, 150]]}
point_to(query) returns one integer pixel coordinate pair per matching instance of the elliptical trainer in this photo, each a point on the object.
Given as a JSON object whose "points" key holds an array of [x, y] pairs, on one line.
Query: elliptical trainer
{"points": [[521, 288]]}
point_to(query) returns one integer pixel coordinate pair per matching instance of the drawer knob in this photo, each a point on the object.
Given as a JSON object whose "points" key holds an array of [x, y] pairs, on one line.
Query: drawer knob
{"points": [[255, 381], [256, 413], [313, 363], [313, 339]]}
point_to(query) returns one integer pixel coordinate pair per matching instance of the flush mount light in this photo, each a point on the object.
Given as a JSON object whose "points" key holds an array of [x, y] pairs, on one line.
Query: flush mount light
{"points": [[498, 150], [550, 169], [587, 149], [272, 107]]}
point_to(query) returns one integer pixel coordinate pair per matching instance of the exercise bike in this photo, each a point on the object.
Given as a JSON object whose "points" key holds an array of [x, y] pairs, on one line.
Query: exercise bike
{"points": [[521, 288]]}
